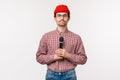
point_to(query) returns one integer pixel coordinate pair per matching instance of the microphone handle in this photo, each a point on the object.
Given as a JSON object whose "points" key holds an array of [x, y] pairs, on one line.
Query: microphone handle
{"points": [[61, 45]]}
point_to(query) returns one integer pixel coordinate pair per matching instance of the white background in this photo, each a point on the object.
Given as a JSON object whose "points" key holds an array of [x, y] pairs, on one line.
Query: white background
{"points": [[23, 22]]}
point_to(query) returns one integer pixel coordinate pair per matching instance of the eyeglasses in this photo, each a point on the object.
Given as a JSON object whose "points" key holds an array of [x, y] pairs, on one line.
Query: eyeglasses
{"points": [[59, 15]]}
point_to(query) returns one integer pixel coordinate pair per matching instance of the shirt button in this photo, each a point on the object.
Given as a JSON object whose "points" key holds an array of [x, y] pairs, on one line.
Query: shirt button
{"points": [[59, 73]]}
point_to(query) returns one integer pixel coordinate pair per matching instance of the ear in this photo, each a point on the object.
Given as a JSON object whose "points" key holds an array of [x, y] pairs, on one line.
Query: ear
{"points": [[55, 18], [68, 18]]}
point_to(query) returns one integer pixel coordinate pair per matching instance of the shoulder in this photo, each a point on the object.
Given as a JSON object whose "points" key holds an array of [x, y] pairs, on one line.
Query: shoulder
{"points": [[75, 35], [47, 34]]}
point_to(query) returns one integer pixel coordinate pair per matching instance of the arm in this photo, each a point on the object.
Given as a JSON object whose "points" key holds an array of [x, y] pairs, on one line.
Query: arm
{"points": [[79, 56], [42, 56]]}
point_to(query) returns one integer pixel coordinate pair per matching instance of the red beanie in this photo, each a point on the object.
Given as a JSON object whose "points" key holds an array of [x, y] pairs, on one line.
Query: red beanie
{"points": [[61, 8]]}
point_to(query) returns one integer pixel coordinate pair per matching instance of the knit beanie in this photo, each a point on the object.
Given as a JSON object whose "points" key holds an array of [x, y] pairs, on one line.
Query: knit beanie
{"points": [[61, 8]]}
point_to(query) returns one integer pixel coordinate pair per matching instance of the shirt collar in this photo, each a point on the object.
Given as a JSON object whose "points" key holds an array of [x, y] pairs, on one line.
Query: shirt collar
{"points": [[61, 33]]}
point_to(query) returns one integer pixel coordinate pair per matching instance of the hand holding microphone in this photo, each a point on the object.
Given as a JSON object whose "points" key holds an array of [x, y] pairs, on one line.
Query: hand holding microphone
{"points": [[61, 53], [57, 55]]}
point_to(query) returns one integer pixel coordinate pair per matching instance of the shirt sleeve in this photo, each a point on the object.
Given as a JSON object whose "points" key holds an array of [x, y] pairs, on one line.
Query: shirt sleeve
{"points": [[79, 56], [42, 56]]}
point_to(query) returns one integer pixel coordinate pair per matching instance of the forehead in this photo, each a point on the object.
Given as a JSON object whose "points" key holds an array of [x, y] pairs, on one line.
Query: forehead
{"points": [[61, 13]]}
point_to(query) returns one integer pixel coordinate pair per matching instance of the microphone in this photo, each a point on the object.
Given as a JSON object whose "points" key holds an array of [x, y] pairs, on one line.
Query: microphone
{"points": [[61, 40]]}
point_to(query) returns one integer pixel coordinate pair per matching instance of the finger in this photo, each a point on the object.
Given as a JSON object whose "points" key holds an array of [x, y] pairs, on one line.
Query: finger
{"points": [[57, 51]]}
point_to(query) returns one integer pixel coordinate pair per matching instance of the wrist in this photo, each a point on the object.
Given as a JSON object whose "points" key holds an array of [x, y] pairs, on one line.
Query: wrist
{"points": [[66, 55]]}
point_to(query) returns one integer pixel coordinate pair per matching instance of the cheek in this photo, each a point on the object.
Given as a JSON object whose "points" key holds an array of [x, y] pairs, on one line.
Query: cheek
{"points": [[57, 20], [66, 19]]}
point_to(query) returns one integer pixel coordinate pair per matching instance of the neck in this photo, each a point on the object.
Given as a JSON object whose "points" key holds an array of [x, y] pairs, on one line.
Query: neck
{"points": [[61, 29]]}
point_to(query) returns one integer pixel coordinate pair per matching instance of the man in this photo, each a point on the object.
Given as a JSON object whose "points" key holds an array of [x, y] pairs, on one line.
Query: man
{"points": [[61, 49]]}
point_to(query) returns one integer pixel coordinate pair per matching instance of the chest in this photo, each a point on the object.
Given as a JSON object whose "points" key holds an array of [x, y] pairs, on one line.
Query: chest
{"points": [[69, 43]]}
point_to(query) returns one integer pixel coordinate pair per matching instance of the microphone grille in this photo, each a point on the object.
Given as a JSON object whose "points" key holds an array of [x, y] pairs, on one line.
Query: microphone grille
{"points": [[61, 39]]}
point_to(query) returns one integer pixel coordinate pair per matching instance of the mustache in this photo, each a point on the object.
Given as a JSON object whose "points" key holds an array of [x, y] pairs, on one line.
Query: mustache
{"points": [[61, 20]]}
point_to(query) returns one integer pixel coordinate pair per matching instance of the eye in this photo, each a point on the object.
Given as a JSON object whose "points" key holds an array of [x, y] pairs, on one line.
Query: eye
{"points": [[59, 15], [65, 15]]}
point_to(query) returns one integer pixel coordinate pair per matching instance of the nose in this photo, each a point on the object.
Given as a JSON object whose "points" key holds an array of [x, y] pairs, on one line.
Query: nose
{"points": [[62, 17]]}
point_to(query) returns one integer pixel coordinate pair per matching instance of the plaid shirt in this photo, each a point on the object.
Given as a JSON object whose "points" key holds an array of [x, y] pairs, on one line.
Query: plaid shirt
{"points": [[73, 45]]}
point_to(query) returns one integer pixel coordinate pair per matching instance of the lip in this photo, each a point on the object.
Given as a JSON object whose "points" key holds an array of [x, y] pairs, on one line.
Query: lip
{"points": [[62, 21]]}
